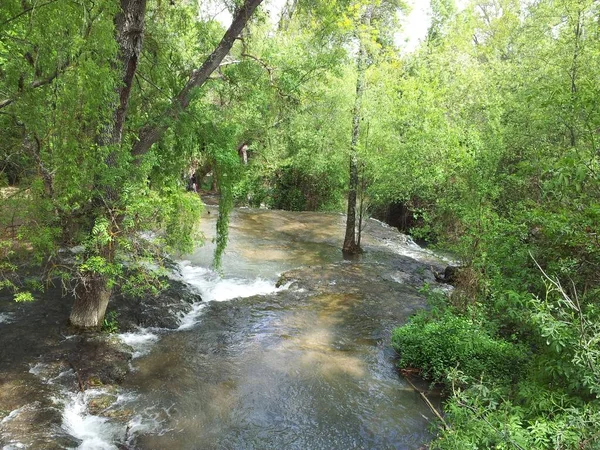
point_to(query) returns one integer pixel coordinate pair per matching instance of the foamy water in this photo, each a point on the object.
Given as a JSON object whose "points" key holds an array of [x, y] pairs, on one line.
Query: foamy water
{"points": [[14, 446], [141, 341], [212, 287], [95, 432], [12, 415], [5, 318], [101, 433]]}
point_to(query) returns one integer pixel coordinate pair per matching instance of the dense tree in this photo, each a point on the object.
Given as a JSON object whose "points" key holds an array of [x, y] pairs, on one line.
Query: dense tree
{"points": [[97, 196], [513, 189]]}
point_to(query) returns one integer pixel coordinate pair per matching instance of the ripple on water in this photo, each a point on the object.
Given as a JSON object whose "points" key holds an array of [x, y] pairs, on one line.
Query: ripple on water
{"points": [[141, 341], [214, 287], [5, 317]]}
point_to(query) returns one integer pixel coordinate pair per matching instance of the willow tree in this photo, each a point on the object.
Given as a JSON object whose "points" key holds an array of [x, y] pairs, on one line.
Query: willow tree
{"points": [[70, 75]]}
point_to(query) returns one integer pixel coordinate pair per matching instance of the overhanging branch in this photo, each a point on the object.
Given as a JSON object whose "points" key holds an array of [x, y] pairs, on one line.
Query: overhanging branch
{"points": [[149, 134], [38, 83]]}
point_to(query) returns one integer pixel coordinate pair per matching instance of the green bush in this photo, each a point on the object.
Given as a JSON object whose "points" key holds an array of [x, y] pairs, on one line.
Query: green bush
{"points": [[554, 403], [290, 186], [455, 342], [484, 418], [110, 323]]}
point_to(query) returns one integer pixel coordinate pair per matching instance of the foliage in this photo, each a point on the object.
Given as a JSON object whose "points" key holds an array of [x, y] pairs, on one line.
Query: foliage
{"points": [[494, 151], [450, 342], [58, 83], [498, 155], [110, 324], [300, 140], [21, 297], [485, 417], [498, 397]]}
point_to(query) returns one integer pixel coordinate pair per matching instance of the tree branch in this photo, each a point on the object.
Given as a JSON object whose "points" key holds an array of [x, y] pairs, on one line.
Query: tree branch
{"points": [[262, 63], [26, 11], [61, 67], [149, 134], [38, 83]]}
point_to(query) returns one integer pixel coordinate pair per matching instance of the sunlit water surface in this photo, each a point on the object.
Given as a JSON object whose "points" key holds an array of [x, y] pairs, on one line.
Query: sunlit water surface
{"points": [[302, 367]]}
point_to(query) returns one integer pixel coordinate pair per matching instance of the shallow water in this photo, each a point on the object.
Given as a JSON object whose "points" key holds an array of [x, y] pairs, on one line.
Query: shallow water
{"points": [[304, 366], [307, 366]]}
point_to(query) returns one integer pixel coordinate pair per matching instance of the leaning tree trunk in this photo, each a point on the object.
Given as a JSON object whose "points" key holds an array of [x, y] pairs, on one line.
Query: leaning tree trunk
{"points": [[350, 245], [129, 24], [150, 134]]}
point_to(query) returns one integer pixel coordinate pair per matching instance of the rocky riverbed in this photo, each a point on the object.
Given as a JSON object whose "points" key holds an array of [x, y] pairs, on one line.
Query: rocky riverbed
{"points": [[42, 358]]}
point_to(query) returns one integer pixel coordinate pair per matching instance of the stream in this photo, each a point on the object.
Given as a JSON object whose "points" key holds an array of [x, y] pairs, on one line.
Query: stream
{"points": [[266, 361]]}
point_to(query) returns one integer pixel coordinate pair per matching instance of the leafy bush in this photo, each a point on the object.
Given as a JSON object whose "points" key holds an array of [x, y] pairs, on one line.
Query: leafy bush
{"points": [[110, 323], [291, 186], [484, 417], [552, 402], [437, 347]]}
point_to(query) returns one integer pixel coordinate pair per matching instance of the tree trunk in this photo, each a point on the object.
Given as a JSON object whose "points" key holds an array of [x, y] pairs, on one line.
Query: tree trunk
{"points": [[129, 24], [350, 245], [286, 14], [91, 299], [573, 76], [93, 293]]}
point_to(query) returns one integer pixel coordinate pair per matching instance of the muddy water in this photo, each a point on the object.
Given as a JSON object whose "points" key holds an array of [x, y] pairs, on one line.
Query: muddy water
{"points": [[304, 367]]}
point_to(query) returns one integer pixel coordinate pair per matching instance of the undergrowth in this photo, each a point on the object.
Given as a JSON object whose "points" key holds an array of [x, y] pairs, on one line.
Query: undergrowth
{"points": [[531, 385]]}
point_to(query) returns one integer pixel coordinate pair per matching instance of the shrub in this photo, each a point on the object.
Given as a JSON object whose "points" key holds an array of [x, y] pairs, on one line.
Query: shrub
{"points": [[110, 323], [450, 342]]}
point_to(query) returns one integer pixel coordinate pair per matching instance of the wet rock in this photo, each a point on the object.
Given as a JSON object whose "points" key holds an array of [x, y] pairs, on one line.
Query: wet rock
{"points": [[64, 441], [100, 360], [120, 415], [283, 280], [32, 425], [449, 276], [99, 404], [43, 357], [161, 311]]}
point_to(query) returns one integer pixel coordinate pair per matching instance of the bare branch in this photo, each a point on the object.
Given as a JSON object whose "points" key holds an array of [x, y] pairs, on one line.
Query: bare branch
{"points": [[556, 283]]}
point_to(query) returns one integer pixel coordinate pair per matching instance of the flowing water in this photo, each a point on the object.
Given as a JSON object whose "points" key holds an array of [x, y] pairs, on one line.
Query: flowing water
{"points": [[306, 365]]}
